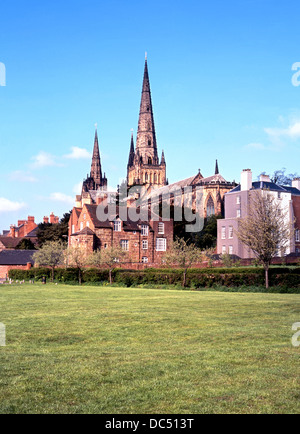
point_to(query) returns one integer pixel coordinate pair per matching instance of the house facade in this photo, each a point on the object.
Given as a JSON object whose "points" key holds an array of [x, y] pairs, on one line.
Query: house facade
{"points": [[237, 204], [146, 241]]}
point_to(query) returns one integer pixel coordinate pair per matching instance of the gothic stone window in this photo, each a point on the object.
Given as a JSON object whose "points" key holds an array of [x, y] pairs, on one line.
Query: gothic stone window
{"points": [[210, 209], [150, 161], [149, 142]]}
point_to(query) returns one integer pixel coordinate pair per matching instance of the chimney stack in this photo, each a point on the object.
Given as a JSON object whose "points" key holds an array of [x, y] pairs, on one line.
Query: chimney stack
{"points": [[46, 220], [246, 180], [296, 183], [12, 231], [52, 218]]}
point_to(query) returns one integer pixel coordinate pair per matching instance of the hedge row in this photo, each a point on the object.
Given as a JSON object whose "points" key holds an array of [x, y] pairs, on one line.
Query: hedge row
{"points": [[196, 278]]}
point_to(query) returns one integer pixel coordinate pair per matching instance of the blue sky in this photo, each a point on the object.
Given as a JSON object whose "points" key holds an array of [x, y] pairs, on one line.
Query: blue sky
{"points": [[221, 79]]}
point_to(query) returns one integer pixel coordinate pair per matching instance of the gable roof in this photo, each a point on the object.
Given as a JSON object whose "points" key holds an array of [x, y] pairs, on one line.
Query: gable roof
{"points": [[85, 231], [9, 242], [258, 185], [16, 257]]}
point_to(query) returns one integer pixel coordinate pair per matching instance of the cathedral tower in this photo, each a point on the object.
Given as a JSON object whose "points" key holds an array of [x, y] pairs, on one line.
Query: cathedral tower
{"points": [[144, 167]]}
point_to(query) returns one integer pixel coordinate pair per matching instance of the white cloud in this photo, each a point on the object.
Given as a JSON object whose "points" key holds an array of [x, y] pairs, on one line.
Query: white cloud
{"points": [[44, 159], [257, 146], [291, 132], [61, 197], [7, 205], [20, 176], [78, 154]]}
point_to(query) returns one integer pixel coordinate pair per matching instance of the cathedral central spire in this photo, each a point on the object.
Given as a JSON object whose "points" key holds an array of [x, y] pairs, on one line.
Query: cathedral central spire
{"points": [[144, 167], [146, 137]]}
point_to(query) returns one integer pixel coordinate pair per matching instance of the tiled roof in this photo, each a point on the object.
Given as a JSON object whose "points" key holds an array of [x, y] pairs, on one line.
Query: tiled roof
{"points": [[85, 231], [9, 242], [33, 233], [16, 257]]}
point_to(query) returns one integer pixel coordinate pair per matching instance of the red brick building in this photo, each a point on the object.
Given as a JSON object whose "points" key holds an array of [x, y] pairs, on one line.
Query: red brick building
{"points": [[146, 241]]}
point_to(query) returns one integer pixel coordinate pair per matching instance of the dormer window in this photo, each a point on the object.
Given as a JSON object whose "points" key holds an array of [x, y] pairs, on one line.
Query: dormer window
{"points": [[145, 231], [117, 226]]}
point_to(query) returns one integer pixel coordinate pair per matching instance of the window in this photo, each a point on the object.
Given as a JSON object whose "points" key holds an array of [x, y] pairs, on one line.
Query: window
{"points": [[149, 142], [117, 226], [81, 226], [238, 200], [238, 213], [279, 195], [105, 246], [144, 260], [73, 229], [230, 250], [223, 233], [161, 228], [297, 235], [150, 161], [231, 232], [84, 216], [145, 231], [145, 245], [161, 244], [125, 245], [223, 250], [87, 224], [210, 209]]}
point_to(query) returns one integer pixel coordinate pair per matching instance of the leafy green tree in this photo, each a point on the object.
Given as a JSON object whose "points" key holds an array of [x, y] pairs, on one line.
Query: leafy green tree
{"points": [[25, 244], [50, 255], [183, 255], [54, 232]]}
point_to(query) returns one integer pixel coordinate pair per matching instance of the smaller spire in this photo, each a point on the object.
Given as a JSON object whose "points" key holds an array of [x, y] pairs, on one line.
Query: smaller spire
{"points": [[163, 160], [146, 56], [217, 168], [131, 152]]}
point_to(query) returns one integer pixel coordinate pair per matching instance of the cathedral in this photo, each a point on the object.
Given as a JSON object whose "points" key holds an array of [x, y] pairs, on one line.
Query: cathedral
{"points": [[145, 168]]}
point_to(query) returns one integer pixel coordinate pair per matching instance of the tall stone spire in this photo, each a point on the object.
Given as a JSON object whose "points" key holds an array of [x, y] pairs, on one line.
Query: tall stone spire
{"points": [[146, 137], [96, 171]]}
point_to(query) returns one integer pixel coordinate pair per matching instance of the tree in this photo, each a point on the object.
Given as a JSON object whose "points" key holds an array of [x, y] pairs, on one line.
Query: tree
{"points": [[25, 244], [77, 257], [54, 232], [50, 255], [183, 255], [108, 258], [266, 230], [279, 177]]}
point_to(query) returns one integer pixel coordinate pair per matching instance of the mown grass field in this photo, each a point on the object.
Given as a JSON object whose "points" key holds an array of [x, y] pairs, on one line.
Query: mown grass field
{"points": [[117, 350]]}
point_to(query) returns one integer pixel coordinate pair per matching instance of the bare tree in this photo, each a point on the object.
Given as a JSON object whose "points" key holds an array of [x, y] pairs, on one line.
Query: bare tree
{"points": [[50, 255], [108, 258], [266, 230], [78, 258], [183, 255]]}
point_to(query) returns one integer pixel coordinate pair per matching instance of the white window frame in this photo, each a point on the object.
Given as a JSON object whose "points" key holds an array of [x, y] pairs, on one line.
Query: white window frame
{"points": [[224, 250], [145, 230], [81, 226], [230, 250], [223, 232], [124, 245], [161, 244], [73, 229], [161, 228], [145, 245], [238, 213], [297, 236], [238, 200], [230, 232], [117, 226], [145, 260]]}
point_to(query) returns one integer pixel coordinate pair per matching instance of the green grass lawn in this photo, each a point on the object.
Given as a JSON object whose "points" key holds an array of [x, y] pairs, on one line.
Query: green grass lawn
{"points": [[116, 350]]}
